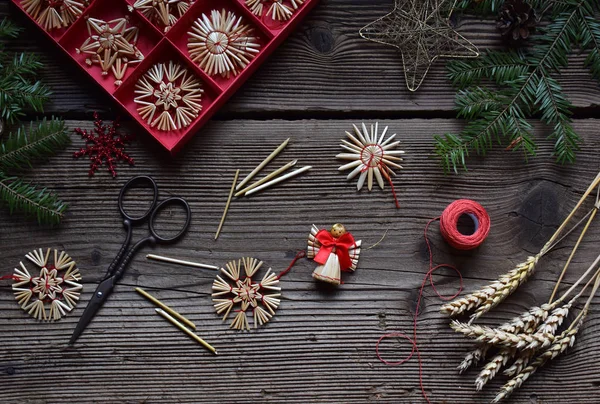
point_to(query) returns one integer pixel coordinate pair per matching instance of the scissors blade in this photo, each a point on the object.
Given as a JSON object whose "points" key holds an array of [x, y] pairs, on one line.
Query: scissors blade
{"points": [[102, 292]]}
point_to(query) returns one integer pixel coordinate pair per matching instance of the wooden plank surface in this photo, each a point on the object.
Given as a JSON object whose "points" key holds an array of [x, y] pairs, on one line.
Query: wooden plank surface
{"points": [[320, 347]]}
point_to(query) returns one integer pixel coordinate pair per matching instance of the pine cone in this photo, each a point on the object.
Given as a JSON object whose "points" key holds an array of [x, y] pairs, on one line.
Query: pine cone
{"points": [[517, 20]]}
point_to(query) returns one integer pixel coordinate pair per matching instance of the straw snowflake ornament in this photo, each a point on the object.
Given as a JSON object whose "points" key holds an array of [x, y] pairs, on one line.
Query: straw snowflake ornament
{"points": [[54, 14], [278, 10], [52, 293], [239, 290], [163, 13], [169, 96], [222, 44], [112, 45]]}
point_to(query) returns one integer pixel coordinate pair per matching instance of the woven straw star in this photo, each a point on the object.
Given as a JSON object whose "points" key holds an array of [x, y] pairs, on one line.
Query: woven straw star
{"points": [[421, 30], [52, 293], [239, 292]]}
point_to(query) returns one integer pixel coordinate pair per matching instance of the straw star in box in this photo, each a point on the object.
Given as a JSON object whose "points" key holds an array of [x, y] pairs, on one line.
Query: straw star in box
{"points": [[334, 250]]}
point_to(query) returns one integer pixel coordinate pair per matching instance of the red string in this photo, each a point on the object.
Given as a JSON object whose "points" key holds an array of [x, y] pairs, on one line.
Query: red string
{"points": [[387, 176], [413, 340], [299, 255], [5, 277]]}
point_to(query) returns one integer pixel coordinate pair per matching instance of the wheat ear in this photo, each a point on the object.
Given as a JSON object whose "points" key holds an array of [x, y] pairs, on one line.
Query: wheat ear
{"points": [[560, 345], [491, 295], [495, 336], [491, 369]]}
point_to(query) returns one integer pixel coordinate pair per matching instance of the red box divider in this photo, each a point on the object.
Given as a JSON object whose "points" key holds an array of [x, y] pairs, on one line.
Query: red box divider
{"points": [[158, 46]]}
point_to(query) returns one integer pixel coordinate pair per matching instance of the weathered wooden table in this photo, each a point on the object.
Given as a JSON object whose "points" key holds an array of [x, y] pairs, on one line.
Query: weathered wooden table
{"points": [[320, 347]]}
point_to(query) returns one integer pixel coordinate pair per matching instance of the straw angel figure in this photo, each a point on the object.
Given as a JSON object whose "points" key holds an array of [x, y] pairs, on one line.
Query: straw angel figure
{"points": [[335, 251]]}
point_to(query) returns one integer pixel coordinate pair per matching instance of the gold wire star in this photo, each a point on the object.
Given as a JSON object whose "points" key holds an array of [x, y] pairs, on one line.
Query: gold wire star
{"points": [[421, 30]]}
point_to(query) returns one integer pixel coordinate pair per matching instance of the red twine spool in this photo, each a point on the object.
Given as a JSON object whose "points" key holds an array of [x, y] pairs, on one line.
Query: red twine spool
{"points": [[449, 224], [449, 229]]}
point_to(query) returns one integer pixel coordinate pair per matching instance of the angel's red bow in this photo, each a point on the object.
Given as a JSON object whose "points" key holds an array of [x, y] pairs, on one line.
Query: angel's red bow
{"points": [[342, 246]]}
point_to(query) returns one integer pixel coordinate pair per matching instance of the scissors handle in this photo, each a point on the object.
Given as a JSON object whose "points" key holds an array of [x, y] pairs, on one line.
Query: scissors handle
{"points": [[141, 179], [168, 202]]}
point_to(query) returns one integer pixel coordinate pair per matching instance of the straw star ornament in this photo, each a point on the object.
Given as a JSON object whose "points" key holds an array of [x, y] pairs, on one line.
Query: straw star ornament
{"points": [[238, 289], [52, 293], [54, 14], [169, 96], [372, 156], [278, 10], [421, 30], [112, 45], [163, 13], [222, 44]]}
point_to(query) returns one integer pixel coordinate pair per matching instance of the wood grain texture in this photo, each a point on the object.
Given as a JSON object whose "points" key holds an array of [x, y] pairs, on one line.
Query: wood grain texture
{"points": [[320, 346], [325, 69]]}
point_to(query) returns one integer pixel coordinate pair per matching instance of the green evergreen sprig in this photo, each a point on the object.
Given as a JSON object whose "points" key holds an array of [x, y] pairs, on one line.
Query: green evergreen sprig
{"points": [[19, 91], [526, 83], [19, 152]]}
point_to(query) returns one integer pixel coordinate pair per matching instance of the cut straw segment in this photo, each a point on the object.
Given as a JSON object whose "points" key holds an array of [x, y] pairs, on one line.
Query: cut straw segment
{"points": [[185, 330], [166, 308], [180, 262], [263, 164], [278, 180], [237, 174], [268, 177]]}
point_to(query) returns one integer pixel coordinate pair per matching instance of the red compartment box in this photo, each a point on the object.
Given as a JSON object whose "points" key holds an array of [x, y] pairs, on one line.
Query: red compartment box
{"points": [[174, 68]]}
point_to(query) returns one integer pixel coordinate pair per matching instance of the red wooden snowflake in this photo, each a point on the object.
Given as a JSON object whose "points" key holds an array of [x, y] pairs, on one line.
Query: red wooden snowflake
{"points": [[104, 144]]}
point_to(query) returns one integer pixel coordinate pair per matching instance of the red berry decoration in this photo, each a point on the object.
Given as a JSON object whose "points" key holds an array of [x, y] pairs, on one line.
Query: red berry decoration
{"points": [[104, 144]]}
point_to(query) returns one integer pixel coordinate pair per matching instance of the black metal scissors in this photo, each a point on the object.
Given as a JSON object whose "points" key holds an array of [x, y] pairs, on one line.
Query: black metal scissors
{"points": [[117, 268]]}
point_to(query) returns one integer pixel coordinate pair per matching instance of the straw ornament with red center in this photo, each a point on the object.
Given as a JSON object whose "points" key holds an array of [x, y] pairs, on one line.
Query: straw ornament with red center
{"points": [[372, 156], [163, 13], [104, 145], [278, 10], [54, 292], [222, 44], [335, 251], [169, 97], [54, 14], [239, 292], [112, 46]]}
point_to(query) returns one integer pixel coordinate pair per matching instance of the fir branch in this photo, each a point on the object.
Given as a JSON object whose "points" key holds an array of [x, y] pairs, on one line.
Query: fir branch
{"points": [[529, 88], [495, 65], [8, 29], [590, 39], [43, 140], [26, 198]]}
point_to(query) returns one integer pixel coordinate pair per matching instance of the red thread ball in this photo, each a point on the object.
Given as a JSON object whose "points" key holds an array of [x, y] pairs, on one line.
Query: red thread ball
{"points": [[449, 224]]}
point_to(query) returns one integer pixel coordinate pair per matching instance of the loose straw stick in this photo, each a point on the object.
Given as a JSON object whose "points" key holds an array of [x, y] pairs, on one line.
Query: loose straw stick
{"points": [[268, 177], [278, 180], [564, 271], [180, 262], [263, 164], [237, 174], [165, 307], [185, 330]]}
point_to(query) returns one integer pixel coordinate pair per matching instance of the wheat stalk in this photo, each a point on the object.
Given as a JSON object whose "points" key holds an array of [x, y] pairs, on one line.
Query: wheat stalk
{"points": [[560, 345], [497, 337]]}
